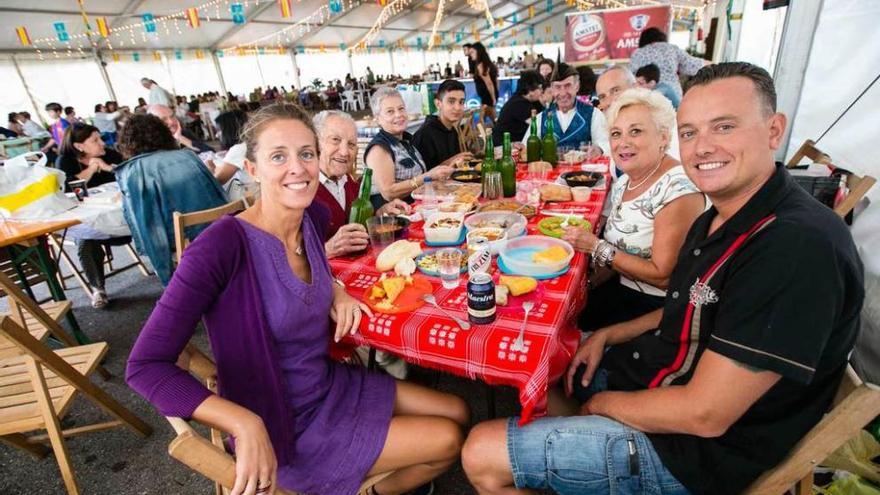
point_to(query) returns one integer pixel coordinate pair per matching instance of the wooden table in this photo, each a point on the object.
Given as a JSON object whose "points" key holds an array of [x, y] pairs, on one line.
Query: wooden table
{"points": [[24, 240]]}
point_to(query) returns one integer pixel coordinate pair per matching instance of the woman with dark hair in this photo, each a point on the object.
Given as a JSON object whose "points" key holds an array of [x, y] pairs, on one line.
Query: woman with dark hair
{"points": [[545, 68], [588, 84], [157, 179], [14, 125], [517, 112], [485, 79], [229, 167], [672, 60], [83, 157]]}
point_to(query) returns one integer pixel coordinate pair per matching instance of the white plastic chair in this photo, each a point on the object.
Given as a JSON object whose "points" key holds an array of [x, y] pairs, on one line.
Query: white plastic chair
{"points": [[349, 104]]}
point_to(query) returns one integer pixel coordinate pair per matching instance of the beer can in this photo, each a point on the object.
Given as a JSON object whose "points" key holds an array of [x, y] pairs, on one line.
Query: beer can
{"points": [[479, 255], [481, 299]]}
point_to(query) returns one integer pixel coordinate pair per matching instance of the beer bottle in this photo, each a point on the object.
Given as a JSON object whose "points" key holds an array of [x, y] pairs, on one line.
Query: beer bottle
{"points": [[533, 145], [489, 161], [548, 146], [508, 169], [362, 208]]}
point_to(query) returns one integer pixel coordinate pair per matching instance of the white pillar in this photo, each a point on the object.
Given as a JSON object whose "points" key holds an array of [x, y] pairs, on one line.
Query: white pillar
{"points": [[424, 60], [350, 64], [801, 20], [27, 90], [391, 57], [219, 72], [259, 67], [102, 67], [296, 83]]}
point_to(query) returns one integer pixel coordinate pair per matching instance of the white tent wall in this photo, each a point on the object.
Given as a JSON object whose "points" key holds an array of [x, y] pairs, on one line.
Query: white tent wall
{"points": [[13, 98], [377, 61], [243, 74], [324, 66], [70, 82], [759, 34], [193, 76], [125, 76]]}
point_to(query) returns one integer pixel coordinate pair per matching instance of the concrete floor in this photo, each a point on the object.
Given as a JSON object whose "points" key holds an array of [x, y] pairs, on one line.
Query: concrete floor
{"points": [[118, 461]]}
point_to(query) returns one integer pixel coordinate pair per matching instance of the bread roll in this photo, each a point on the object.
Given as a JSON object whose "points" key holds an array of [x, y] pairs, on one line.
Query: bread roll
{"points": [[397, 251], [555, 192]]}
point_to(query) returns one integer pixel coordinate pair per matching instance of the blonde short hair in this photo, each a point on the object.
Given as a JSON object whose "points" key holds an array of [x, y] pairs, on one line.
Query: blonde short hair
{"points": [[380, 95], [658, 105]]}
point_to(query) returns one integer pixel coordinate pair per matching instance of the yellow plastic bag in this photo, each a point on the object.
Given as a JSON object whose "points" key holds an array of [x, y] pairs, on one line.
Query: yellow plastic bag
{"points": [[850, 485], [855, 457]]}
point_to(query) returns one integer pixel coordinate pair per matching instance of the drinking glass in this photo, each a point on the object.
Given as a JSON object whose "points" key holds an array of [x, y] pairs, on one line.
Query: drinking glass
{"points": [[493, 186], [449, 261], [381, 230]]}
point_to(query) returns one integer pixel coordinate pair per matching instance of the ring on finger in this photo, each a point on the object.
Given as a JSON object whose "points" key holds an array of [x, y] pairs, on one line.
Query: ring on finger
{"points": [[263, 488]]}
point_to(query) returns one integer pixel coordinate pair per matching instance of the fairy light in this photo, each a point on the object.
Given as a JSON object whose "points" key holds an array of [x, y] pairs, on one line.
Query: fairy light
{"points": [[438, 18], [391, 9], [318, 18]]}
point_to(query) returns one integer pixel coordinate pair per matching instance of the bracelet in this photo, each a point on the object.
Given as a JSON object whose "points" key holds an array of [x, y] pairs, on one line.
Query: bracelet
{"points": [[338, 282], [414, 183], [603, 254]]}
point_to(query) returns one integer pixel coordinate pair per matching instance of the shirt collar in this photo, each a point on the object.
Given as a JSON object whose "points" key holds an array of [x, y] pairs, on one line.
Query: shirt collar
{"points": [[406, 136], [761, 204], [324, 179]]}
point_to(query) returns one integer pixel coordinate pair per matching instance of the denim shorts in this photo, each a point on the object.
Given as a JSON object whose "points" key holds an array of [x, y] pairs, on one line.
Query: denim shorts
{"points": [[583, 455]]}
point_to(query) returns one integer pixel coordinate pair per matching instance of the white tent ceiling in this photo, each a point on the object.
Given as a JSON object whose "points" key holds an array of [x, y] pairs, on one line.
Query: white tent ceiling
{"points": [[264, 19]]}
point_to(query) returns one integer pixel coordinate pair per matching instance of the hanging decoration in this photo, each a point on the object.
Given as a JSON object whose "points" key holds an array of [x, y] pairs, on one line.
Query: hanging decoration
{"points": [[237, 12], [178, 54], [549, 6], [438, 18], [192, 17], [61, 32], [531, 11], [393, 8], [287, 36], [200, 54], [548, 29], [335, 6], [103, 28], [284, 5], [136, 56], [157, 56], [23, 36], [532, 31], [383, 2], [381, 43], [114, 56], [149, 23]]}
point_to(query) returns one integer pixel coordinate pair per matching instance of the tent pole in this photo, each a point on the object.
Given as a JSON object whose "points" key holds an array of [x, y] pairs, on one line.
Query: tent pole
{"points": [[102, 66], [391, 57], [296, 81], [27, 90], [350, 65], [801, 20], [219, 72]]}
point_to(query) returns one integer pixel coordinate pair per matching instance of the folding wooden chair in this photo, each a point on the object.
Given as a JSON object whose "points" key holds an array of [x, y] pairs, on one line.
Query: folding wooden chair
{"points": [[858, 186], [856, 404], [209, 458], [37, 389], [40, 320], [184, 220]]}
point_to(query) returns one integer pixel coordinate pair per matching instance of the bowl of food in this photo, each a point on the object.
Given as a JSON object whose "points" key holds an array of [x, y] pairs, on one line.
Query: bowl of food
{"points": [[536, 256], [552, 226], [496, 237], [513, 223], [443, 228], [581, 179], [469, 176], [510, 206]]}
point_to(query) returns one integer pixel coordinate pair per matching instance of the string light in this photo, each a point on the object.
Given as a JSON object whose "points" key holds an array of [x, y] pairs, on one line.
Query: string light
{"points": [[437, 19], [393, 8]]}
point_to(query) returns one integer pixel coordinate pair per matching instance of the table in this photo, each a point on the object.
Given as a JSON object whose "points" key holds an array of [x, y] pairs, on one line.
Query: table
{"points": [[22, 239], [428, 338]]}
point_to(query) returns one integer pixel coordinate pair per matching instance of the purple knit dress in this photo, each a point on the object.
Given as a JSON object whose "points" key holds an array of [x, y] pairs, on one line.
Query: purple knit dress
{"points": [[341, 413]]}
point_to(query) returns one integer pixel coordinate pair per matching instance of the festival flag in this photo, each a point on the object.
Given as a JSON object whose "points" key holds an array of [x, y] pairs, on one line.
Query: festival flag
{"points": [[495, 34], [419, 42], [383, 2], [548, 29], [381, 43], [149, 23], [335, 6], [458, 37], [136, 56], [219, 53], [300, 49], [323, 48], [342, 47], [532, 31], [157, 56], [531, 11], [549, 6], [570, 3], [103, 28], [115, 56], [61, 31], [200, 54], [192, 17], [237, 11], [284, 5], [23, 36], [178, 54]]}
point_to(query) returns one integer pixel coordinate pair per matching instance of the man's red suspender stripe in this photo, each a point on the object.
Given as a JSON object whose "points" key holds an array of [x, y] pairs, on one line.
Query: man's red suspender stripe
{"points": [[684, 337]]}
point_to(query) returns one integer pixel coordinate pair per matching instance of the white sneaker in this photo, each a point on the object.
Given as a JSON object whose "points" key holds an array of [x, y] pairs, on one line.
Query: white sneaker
{"points": [[99, 299]]}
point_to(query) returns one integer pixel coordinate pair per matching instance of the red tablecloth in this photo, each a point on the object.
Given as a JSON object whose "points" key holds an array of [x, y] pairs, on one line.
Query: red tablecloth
{"points": [[428, 338]]}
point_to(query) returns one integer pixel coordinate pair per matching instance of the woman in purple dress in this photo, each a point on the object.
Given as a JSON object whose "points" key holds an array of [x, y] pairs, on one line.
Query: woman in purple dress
{"points": [[263, 287]]}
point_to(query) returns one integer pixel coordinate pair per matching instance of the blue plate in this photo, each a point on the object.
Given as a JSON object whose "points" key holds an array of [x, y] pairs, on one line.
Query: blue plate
{"points": [[432, 273], [459, 242], [503, 268]]}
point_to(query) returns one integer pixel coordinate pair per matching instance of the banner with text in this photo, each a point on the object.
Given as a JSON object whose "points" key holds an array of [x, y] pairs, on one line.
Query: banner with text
{"points": [[611, 33]]}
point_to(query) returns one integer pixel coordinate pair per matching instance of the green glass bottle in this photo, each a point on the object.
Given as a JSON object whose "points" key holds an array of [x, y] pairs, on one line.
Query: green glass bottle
{"points": [[548, 145], [533, 145], [508, 169], [362, 208], [489, 164]]}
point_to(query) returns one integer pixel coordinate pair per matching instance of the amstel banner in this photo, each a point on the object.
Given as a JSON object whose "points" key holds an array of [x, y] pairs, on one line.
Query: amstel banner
{"points": [[611, 33]]}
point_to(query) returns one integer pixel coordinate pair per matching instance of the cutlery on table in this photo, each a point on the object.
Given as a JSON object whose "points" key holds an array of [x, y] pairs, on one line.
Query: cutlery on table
{"points": [[519, 344], [565, 224], [430, 299]]}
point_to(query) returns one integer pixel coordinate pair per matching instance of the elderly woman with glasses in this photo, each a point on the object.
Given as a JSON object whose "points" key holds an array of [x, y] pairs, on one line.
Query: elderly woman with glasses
{"points": [[398, 167]]}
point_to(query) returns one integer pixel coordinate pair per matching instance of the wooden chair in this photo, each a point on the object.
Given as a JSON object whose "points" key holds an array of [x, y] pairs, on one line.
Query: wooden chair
{"points": [[359, 163], [209, 458], [37, 389], [40, 320], [858, 186], [856, 404], [25, 274], [184, 220]]}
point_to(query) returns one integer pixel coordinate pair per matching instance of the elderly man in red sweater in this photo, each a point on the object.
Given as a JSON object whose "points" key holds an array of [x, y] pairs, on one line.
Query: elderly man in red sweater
{"points": [[337, 141]]}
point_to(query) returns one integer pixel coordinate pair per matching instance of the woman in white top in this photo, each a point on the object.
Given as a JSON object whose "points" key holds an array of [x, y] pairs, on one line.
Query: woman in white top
{"points": [[652, 208]]}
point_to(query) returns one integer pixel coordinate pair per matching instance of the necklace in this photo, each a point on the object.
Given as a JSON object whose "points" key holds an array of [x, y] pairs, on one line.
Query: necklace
{"points": [[633, 188]]}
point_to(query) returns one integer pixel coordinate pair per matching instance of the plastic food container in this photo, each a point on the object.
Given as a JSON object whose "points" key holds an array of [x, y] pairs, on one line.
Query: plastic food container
{"points": [[517, 255], [515, 223], [495, 235], [443, 234], [581, 194]]}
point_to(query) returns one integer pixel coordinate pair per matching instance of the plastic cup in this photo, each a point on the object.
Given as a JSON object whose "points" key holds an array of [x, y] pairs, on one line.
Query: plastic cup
{"points": [[493, 187], [381, 230]]}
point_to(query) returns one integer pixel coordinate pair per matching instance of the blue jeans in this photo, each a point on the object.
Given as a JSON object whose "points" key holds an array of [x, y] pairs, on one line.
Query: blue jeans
{"points": [[583, 455]]}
